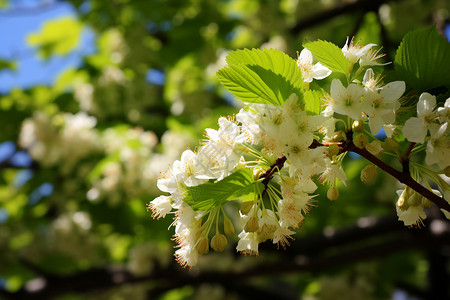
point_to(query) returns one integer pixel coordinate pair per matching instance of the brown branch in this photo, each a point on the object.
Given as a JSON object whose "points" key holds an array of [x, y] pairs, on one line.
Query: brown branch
{"points": [[267, 175], [403, 177]]}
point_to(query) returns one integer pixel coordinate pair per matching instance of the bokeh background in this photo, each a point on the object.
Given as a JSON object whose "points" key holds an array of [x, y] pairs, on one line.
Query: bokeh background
{"points": [[98, 97]]}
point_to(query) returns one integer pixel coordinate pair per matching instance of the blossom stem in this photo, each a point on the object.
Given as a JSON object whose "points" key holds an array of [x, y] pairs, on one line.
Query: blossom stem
{"points": [[267, 175], [408, 152]]}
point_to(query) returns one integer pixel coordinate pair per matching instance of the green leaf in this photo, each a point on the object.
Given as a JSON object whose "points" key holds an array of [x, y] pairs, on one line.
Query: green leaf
{"points": [[266, 76], [312, 101], [58, 36], [423, 60], [329, 55], [239, 185]]}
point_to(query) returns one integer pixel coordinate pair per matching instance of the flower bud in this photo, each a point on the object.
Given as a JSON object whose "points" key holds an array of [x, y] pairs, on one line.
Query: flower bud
{"points": [[358, 126], [202, 246], [415, 199], [402, 202], [333, 150], [333, 193], [251, 225], [246, 206], [390, 144], [228, 227], [375, 148], [338, 136], [361, 140], [219, 242], [368, 173]]}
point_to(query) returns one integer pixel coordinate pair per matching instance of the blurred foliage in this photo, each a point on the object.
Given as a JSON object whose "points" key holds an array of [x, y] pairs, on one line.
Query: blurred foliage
{"points": [[101, 135]]}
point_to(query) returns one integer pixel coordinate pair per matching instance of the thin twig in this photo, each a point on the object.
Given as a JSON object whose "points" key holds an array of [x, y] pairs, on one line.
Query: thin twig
{"points": [[403, 177]]}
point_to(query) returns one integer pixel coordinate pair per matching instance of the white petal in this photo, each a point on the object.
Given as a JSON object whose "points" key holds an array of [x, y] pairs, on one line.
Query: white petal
{"points": [[368, 76], [319, 71], [305, 57], [375, 124], [414, 130], [365, 49], [426, 104], [187, 156], [389, 130], [393, 90], [337, 89]]}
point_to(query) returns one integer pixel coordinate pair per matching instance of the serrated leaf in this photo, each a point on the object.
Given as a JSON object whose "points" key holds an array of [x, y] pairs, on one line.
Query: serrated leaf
{"points": [[239, 185], [329, 55], [423, 60], [261, 76]]}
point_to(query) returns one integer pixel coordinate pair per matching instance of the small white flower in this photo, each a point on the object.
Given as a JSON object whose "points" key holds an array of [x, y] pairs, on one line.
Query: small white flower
{"points": [[250, 130], [438, 148], [190, 170], [282, 235], [248, 243], [416, 128], [345, 101], [220, 151], [160, 206], [309, 70], [370, 58], [332, 172], [354, 52], [381, 103], [409, 207], [186, 256]]}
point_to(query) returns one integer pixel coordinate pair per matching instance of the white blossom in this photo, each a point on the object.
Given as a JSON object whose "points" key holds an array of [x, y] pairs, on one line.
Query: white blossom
{"points": [[309, 70], [438, 148], [354, 52], [416, 128], [345, 101]]}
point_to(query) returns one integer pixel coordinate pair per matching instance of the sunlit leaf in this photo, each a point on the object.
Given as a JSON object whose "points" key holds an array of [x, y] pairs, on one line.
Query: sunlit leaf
{"points": [[59, 36], [239, 185], [261, 76], [329, 55], [423, 60]]}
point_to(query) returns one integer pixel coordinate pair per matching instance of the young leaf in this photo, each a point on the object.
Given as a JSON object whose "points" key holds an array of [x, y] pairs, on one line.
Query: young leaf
{"points": [[261, 76], [423, 60], [329, 55], [239, 185]]}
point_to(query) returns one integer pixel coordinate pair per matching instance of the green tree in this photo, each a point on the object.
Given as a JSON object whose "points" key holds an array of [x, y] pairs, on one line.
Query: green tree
{"points": [[74, 223]]}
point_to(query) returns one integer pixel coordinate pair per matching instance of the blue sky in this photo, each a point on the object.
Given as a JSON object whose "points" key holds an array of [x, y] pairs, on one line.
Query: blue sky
{"points": [[26, 17]]}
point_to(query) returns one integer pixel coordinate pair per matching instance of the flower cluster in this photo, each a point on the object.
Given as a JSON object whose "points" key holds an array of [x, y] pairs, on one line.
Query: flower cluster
{"points": [[286, 148], [255, 140], [63, 137], [434, 121]]}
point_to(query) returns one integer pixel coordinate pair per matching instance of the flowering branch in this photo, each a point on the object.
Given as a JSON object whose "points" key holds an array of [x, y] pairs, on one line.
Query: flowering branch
{"points": [[279, 163], [403, 177]]}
